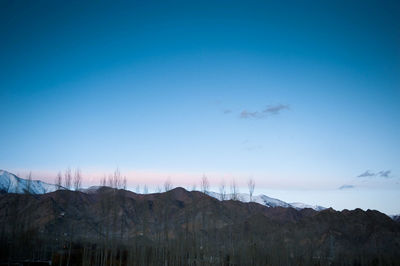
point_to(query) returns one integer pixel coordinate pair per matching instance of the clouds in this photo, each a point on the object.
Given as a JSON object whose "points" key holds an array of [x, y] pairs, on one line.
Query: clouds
{"points": [[261, 114], [384, 173], [346, 187], [227, 111], [269, 110], [275, 109], [369, 176], [253, 148], [366, 174]]}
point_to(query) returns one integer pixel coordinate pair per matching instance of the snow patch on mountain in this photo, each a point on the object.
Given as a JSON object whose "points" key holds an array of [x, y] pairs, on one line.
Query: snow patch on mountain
{"points": [[264, 200], [395, 217], [10, 183]]}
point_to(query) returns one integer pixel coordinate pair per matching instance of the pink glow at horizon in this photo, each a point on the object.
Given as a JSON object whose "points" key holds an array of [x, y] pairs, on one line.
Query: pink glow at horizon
{"points": [[154, 178]]}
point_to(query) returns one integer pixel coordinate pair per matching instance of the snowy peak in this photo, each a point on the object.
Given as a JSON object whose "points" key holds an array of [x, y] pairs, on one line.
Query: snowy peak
{"points": [[266, 201], [10, 183], [270, 202]]}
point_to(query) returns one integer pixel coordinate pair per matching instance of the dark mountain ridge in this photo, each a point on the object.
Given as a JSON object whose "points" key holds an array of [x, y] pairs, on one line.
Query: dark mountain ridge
{"points": [[189, 228]]}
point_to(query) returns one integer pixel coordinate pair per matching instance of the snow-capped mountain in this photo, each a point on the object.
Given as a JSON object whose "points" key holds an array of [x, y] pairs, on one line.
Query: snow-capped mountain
{"points": [[395, 217], [10, 183], [266, 201]]}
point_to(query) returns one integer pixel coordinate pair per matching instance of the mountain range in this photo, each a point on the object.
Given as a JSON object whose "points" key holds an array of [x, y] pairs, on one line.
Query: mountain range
{"points": [[110, 226], [10, 183]]}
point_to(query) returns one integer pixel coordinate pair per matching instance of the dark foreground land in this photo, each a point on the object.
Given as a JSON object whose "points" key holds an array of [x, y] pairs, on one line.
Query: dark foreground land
{"points": [[118, 227]]}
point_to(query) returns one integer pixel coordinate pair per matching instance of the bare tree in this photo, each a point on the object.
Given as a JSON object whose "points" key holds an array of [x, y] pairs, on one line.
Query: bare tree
{"points": [[29, 184], [145, 189], [124, 183], [77, 179], [59, 180], [222, 190], [67, 178], [204, 184], [167, 185], [251, 184], [137, 189], [117, 180], [234, 190], [110, 180], [103, 181]]}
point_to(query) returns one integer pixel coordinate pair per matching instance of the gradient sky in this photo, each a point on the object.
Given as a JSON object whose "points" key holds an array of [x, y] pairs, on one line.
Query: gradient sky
{"points": [[303, 96]]}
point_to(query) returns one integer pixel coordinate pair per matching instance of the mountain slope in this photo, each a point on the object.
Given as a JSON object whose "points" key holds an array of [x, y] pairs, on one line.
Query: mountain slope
{"points": [[395, 218], [186, 224], [299, 206], [10, 183], [266, 201]]}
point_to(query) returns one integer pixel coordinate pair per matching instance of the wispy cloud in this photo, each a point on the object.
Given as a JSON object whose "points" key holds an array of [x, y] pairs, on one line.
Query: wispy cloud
{"points": [[253, 148], [227, 111], [247, 114], [275, 109], [248, 146], [367, 174], [346, 187], [383, 173], [269, 110]]}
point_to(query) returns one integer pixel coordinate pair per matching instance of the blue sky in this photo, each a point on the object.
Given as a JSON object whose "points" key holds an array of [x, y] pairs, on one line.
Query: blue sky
{"points": [[299, 96]]}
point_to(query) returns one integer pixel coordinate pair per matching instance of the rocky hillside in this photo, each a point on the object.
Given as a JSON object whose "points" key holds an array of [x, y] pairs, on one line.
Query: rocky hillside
{"points": [[190, 227]]}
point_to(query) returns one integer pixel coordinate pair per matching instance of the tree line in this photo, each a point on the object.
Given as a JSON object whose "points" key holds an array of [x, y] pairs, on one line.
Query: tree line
{"points": [[116, 180]]}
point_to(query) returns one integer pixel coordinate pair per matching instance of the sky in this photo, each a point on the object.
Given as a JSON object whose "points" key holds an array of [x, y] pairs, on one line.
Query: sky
{"points": [[301, 96]]}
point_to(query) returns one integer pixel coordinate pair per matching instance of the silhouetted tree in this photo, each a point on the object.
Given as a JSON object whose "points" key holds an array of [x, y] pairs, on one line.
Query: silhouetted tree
{"points": [[110, 181], [59, 180], [251, 184], [77, 179], [117, 179], [124, 183], [222, 190], [67, 178], [204, 184], [103, 181], [167, 185], [234, 190], [29, 184]]}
